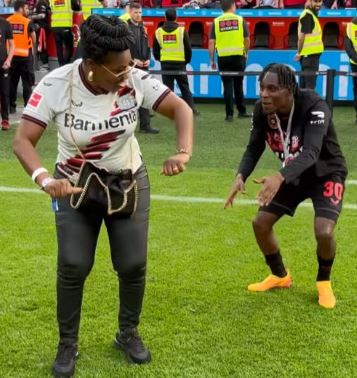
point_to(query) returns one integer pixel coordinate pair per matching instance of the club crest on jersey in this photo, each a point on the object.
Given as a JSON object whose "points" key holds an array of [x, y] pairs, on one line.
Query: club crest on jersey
{"points": [[126, 101], [272, 121]]}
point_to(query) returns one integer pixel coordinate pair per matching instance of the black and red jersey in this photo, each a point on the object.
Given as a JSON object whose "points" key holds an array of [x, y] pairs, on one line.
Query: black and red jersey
{"points": [[312, 146]]}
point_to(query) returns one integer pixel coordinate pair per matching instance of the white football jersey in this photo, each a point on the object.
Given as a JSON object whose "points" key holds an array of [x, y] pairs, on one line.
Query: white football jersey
{"points": [[103, 125]]}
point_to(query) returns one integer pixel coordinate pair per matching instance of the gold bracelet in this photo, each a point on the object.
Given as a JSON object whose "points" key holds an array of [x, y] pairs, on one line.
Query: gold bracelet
{"points": [[183, 151]]}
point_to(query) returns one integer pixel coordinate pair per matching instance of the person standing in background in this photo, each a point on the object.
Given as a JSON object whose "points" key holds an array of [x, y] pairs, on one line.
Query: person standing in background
{"points": [[230, 37], [6, 39], [140, 52], [24, 40], [61, 24], [310, 46], [126, 16], [172, 48], [41, 17]]}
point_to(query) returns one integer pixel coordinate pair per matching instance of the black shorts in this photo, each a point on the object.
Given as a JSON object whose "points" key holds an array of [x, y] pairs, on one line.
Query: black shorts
{"points": [[326, 194]]}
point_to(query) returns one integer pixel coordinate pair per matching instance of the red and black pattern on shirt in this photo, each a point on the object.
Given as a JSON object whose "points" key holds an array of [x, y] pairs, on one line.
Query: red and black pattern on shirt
{"points": [[273, 138], [274, 141], [93, 151]]}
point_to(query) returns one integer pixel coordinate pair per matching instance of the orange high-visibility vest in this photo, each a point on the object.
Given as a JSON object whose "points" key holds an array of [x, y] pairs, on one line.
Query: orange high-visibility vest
{"points": [[20, 27]]}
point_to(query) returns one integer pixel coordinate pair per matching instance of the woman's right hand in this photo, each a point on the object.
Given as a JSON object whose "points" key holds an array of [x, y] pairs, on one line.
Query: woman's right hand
{"points": [[237, 187], [60, 188]]}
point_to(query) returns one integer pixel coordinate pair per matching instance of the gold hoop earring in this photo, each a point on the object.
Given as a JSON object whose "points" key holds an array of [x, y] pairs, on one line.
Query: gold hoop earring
{"points": [[90, 76]]}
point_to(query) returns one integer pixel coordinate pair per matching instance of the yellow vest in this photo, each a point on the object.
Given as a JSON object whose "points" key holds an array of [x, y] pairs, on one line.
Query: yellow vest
{"points": [[229, 34], [125, 17], [87, 6], [61, 13], [313, 41], [351, 32], [172, 47]]}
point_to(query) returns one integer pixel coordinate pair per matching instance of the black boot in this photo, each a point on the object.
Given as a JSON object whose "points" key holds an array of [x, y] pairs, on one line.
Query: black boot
{"points": [[244, 115], [149, 130], [65, 361], [131, 344]]}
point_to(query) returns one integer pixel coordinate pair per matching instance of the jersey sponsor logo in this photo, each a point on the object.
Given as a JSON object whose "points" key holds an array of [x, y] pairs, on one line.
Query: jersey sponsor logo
{"points": [[228, 25], [123, 120], [169, 38], [318, 114], [35, 99], [318, 118], [18, 28]]}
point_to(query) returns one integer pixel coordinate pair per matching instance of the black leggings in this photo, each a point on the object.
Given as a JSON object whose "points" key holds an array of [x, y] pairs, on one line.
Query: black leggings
{"points": [[77, 235]]}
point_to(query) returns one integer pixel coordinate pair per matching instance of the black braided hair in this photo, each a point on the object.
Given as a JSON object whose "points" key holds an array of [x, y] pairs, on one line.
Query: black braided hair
{"points": [[101, 35], [286, 76]]}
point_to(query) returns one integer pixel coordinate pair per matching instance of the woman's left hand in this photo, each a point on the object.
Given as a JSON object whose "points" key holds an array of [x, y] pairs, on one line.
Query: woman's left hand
{"points": [[175, 164]]}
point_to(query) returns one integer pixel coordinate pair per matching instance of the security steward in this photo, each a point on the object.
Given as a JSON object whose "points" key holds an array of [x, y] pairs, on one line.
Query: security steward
{"points": [[87, 6], [351, 50], [310, 45], [24, 38], [126, 16], [61, 24], [230, 38], [172, 48], [7, 48]]}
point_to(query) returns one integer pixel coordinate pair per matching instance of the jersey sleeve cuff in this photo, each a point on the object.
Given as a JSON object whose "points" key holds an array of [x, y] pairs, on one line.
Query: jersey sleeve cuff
{"points": [[34, 120], [160, 99]]}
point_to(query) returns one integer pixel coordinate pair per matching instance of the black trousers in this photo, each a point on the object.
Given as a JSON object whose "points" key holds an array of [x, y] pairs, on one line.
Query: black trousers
{"points": [[354, 79], [182, 81], [20, 67], [233, 84], [309, 63], [63, 37], [4, 93], [77, 235]]}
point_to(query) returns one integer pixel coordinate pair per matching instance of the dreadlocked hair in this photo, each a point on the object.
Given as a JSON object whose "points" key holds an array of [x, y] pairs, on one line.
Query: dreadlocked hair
{"points": [[101, 35], [286, 76]]}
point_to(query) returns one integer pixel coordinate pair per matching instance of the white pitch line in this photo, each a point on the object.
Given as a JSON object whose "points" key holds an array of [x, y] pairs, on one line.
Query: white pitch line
{"points": [[351, 182], [162, 197]]}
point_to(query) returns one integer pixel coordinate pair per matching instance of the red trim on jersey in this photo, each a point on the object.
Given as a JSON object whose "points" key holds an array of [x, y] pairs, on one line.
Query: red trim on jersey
{"points": [[160, 99], [34, 120]]}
